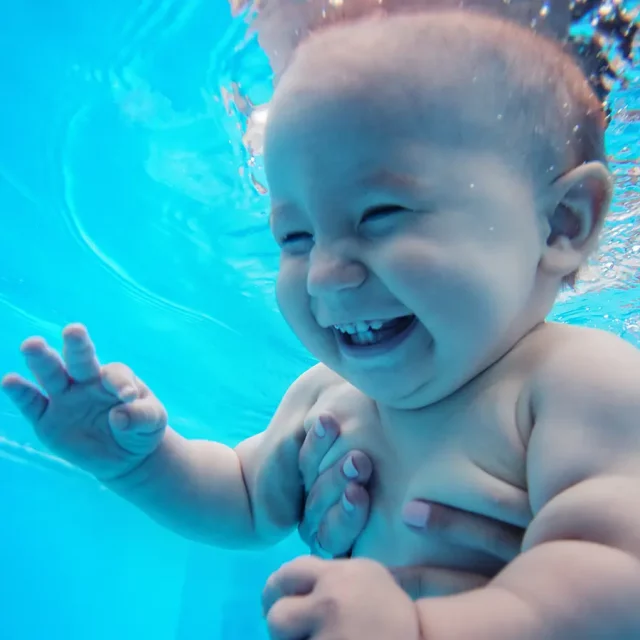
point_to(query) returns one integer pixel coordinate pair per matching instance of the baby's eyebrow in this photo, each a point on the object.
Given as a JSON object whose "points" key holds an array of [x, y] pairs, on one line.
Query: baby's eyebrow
{"points": [[380, 180], [393, 181]]}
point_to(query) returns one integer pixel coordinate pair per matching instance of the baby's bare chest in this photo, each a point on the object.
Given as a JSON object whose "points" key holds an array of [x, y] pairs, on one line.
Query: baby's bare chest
{"points": [[467, 454]]}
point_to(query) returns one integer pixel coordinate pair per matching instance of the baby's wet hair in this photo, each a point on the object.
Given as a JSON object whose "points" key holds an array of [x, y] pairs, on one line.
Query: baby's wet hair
{"points": [[561, 116]]}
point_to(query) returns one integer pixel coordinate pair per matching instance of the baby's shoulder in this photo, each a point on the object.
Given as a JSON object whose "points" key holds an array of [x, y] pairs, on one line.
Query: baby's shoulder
{"points": [[302, 395], [580, 359], [285, 433], [313, 383], [322, 392]]}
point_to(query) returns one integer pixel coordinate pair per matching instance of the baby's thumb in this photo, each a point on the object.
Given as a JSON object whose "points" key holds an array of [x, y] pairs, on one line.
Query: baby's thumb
{"points": [[146, 415]]}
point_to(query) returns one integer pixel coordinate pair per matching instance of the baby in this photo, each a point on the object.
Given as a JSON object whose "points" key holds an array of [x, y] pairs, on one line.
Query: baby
{"points": [[435, 178]]}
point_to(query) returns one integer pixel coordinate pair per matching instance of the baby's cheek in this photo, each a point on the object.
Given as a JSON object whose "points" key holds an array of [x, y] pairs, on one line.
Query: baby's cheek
{"points": [[409, 256], [291, 296], [420, 275], [284, 290]]}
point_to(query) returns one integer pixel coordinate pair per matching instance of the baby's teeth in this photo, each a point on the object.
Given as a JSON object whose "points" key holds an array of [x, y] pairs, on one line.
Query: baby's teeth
{"points": [[346, 328], [359, 327]]}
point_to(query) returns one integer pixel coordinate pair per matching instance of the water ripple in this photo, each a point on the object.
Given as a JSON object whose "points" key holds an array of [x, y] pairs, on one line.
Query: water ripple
{"points": [[71, 216]]}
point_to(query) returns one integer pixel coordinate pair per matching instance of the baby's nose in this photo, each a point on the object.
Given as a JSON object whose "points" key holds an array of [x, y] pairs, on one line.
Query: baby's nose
{"points": [[329, 272]]}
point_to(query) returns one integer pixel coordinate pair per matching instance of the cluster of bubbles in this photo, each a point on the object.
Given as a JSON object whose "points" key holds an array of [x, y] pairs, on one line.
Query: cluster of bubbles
{"points": [[604, 32]]}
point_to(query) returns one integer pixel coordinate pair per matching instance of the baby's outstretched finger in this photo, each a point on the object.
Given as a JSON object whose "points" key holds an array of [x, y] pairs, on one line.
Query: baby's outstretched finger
{"points": [[46, 365], [79, 354], [25, 396]]}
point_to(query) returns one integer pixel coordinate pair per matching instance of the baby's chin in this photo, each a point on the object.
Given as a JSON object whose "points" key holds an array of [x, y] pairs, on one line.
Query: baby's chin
{"points": [[392, 388]]}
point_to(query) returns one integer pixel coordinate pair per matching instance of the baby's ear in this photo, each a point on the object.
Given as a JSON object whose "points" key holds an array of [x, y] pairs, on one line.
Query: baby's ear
{"points": [[577, 206]]}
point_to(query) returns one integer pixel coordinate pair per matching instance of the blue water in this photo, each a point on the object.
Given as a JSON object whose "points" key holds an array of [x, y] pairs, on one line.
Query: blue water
{"points": [[129, 202]]}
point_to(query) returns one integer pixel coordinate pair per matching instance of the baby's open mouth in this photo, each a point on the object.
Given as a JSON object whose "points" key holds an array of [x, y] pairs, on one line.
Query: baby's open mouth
{"points": [[373, 332]]}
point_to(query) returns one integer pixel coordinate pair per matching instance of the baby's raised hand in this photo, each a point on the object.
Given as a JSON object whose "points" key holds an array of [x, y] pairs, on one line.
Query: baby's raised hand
{"points": [[101, 419]]}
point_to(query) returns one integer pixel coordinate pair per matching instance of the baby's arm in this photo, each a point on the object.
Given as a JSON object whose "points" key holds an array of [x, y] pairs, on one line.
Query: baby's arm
{"points": [[106, 421], [238, 497], [579, 573]]}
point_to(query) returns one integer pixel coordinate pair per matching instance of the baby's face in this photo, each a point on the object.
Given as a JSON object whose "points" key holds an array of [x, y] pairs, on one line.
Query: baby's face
{"points": [[409, 246]]}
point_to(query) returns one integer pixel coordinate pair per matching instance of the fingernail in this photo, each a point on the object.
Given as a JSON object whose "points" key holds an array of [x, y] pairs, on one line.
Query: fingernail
{"points": [[346, 505], [416, 514], [349, 468], [320, 430]]}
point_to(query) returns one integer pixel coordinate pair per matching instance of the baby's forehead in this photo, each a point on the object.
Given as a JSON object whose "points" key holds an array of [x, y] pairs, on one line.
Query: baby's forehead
{"points": [[458, 79], [397, 59], [490, 80], [347, 75]]}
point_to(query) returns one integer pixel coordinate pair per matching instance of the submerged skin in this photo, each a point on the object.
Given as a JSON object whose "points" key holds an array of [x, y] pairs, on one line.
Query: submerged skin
{"points": [[384, 207]]}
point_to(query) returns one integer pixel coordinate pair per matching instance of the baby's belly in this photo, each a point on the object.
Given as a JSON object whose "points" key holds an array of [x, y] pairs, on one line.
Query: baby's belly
{"points": [[465, 454], [470, 492]]}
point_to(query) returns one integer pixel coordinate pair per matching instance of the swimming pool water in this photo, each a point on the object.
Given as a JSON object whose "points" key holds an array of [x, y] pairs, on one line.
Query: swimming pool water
{"points": [[127, 203]]}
